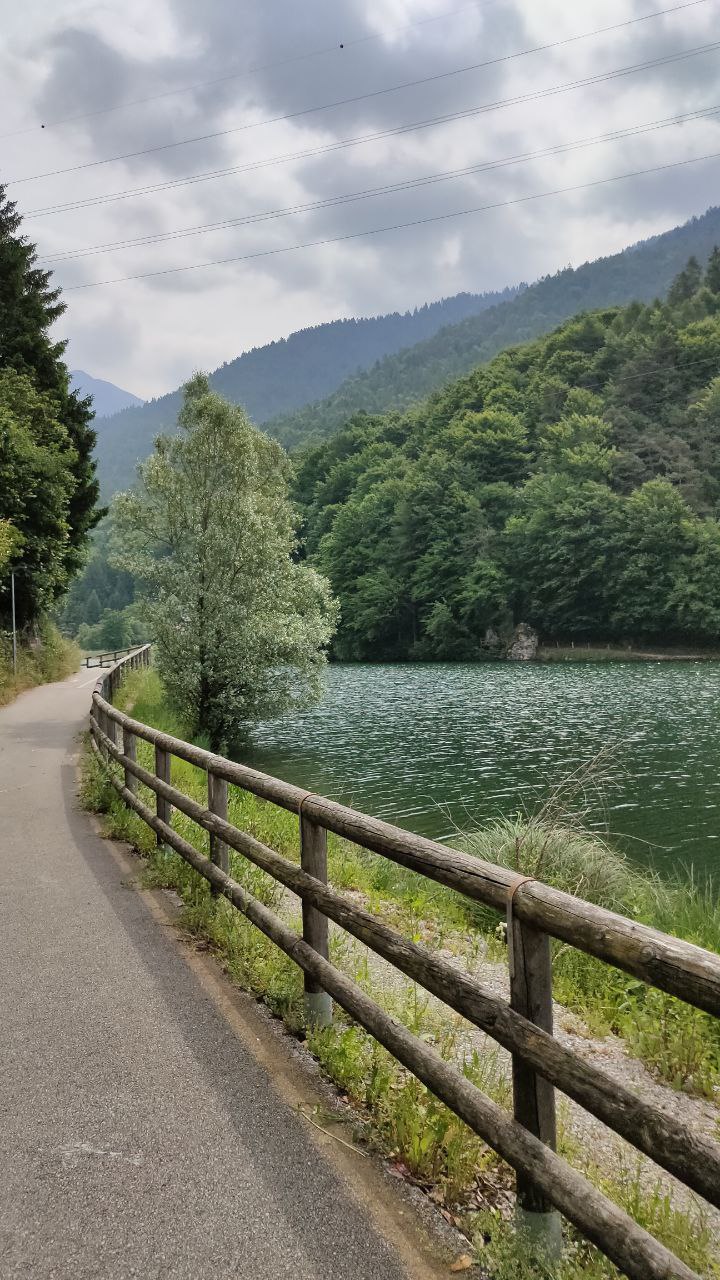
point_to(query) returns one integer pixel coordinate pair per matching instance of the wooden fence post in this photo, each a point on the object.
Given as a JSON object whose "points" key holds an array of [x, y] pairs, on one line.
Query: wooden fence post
{"points": [[162, 771], [533, 1097], [130, 750], [106, 724], [313, 860], [218, 803]]}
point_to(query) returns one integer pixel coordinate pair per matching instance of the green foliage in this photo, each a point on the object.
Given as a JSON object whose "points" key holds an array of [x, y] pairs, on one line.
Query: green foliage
{"points": [[36, 486], [50, 657], [47, 474], [686, 283], [114, 629], [100, 608], [10, 543], [239, 626], [508, 1255], [573, 484]]}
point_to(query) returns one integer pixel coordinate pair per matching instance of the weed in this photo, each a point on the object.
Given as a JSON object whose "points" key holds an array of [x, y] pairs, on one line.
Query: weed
{"points": [[507, 1254], [677, 1042], [52, 658], [685, 1231]]}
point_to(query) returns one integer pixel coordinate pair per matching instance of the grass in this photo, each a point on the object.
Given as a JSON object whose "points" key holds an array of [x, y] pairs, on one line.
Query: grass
{"points": [[584, 652], [53, 658], [403, 1119], [508, 1256], [680, 1044]]}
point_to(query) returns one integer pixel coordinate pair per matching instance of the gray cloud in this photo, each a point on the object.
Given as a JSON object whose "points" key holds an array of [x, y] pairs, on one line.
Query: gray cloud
{"points": [[149, 334]]}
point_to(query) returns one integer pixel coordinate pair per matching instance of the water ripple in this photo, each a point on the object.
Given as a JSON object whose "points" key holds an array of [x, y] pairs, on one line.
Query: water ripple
{"points": [[440, 746]]}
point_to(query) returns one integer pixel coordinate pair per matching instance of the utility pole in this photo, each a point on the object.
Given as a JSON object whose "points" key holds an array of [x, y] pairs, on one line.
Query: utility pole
{"points": [[14, 631]]}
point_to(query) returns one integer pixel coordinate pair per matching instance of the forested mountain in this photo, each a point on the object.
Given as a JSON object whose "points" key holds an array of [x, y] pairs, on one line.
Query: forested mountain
{"points": [[283, 375], [641, 272], [572, 483], [393, 361], [106, 397]]}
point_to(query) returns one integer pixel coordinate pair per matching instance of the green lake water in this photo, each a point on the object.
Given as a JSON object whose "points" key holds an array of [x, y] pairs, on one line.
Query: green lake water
{"points": [[440, 746]]}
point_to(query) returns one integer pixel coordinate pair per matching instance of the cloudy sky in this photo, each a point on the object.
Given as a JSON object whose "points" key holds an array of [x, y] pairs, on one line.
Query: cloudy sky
{"points": [[278, 108]]}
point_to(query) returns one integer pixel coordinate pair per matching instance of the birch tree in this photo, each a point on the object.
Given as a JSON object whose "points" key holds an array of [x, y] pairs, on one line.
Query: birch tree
{"points": [[240, 626]]}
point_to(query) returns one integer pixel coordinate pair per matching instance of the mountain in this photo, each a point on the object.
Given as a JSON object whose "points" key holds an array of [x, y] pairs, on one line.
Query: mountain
{"points": [[107, 398], [385, 362], [283, 375], [572, 483], [639, 273]]}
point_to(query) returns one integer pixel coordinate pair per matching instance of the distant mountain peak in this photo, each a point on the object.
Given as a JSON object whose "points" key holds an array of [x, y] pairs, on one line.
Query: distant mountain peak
{"points": [[107, 398]]}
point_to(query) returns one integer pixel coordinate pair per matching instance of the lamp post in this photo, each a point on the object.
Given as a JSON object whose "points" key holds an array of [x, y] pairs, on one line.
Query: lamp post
{"points": [[14, 629]]}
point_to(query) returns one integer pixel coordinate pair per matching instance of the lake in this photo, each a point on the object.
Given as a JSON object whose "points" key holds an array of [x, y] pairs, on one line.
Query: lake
{"points": [[441, 746]]}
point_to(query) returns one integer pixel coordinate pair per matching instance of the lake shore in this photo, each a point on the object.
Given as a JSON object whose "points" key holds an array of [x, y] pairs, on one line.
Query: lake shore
{"points": [[620, 653]]}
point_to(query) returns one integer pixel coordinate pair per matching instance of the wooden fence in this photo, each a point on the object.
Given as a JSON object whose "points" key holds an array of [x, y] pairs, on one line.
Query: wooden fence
{"points": [[110, 656], [535, 913]]}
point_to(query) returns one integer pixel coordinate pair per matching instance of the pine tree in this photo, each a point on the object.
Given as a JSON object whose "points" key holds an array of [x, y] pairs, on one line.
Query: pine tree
{"points": [[93, 609], [686, 283], [712, 275], [29, 305]]}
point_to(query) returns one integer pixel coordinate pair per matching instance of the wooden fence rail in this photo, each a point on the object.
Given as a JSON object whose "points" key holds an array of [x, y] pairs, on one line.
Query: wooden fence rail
{"points": [[545, 1182], [110, 656]]}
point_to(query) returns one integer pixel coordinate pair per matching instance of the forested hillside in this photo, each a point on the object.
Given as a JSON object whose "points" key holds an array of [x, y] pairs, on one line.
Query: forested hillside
{"points": [[572, 483], [282, 376], [393, 361], [642, 272]]}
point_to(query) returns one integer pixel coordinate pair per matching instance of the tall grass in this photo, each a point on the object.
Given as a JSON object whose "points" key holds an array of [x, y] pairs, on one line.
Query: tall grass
{"points": [[679, 1043], [52, 658]]}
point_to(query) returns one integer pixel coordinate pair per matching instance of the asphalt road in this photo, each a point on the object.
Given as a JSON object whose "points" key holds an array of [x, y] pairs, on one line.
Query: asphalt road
{"points": [[139, 1136]]}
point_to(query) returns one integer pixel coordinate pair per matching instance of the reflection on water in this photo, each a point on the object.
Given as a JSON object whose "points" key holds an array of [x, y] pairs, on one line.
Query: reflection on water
{"points": [[440, 746]]}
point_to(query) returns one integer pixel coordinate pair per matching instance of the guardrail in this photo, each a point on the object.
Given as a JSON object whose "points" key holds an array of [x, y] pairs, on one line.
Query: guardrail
{"points": [[535, 912], [110, 656]]}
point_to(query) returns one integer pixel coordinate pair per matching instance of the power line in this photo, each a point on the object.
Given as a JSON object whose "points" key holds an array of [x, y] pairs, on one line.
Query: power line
{"points": [[249, 71], [377, 93], [398, 226], [69, 255], [650, 369], [534, 96]]}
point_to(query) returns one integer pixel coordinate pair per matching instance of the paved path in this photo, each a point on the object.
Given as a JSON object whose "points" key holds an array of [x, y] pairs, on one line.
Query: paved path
{"points": [[139, 1136]]}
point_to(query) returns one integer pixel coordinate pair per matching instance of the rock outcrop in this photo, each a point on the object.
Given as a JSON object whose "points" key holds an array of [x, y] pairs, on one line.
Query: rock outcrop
{"points": [[524, 644]]}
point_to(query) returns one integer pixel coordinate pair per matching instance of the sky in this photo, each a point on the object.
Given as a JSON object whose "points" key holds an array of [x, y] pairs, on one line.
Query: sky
{"points": [[298, 123]]}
